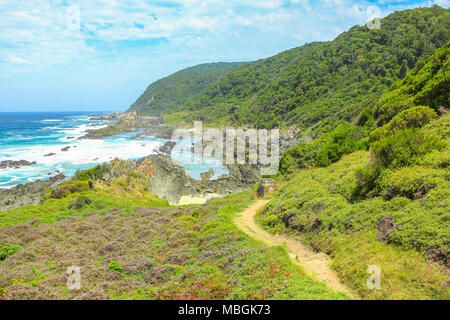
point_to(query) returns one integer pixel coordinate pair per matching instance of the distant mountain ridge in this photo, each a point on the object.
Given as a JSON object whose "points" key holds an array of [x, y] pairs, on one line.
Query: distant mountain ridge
{"points": [[167, 94]]}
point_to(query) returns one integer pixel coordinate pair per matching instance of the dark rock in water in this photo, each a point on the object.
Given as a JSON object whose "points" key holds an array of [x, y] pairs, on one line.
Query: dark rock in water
{"points": [[26, 194], [167, 147], [50, 154], [65, 149], [439, 255], [11, 164], [266, 188], [385, 227]]}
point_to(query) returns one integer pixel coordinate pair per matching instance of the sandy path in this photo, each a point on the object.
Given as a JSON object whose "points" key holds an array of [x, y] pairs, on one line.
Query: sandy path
{"points": [[315, 264]]}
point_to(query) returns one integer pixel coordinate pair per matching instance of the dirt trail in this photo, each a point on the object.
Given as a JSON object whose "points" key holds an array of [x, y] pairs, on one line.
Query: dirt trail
{"points": [[315, 264]]}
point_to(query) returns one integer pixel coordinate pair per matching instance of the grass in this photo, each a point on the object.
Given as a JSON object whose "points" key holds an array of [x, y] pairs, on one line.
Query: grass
{"points": [[192, 252], [314, 205]]}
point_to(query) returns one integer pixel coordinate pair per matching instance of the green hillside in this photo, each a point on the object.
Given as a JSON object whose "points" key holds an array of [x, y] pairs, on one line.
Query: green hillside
{"points": [[168, 94], [320, 84]]}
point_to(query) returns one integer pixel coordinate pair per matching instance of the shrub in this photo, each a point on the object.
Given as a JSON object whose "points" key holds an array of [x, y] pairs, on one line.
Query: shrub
{"points": [[60, 192], [415, 117], [270, 221], [328, 149]]}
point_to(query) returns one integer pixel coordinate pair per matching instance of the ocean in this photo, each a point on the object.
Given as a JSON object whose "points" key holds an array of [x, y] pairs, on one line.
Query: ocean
{"points": [[35, 136]]}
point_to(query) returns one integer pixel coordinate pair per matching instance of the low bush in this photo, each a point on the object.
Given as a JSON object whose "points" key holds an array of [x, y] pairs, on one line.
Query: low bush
{"points": [[115, 266]]}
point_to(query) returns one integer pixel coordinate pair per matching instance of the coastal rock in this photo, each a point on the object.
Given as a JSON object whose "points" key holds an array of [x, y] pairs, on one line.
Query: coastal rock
{"points": [[266, 188], [167, 147], [385, 227], [169, 180], [50, 154], [205, 176]]}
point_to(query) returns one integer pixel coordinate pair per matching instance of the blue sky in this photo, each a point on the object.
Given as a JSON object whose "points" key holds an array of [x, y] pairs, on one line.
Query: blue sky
{"points": [[59, 55]]}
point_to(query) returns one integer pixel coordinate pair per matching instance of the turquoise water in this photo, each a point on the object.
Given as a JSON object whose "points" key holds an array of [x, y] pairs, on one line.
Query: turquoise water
{"points": [[32, 136]]}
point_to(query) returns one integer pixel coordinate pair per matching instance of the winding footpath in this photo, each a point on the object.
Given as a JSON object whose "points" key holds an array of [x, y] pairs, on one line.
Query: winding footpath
{"points": [[315, 264]]}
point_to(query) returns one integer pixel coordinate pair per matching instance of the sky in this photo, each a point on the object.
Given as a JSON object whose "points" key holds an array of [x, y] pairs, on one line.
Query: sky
{"points": [[100, 55]]}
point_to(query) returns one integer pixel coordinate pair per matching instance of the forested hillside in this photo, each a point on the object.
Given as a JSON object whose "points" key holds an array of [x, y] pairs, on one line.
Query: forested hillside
{"points": [[168, 94], [320, 84]]}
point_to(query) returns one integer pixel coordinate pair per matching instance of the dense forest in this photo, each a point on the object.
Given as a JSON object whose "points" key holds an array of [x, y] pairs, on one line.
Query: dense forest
{"points": [[318, 85]]}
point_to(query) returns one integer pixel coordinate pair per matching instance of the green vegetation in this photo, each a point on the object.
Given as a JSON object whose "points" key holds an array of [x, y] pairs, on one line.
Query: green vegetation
{"points": [[90, 174], [371, 189], [115, 266], [167, 94], [325, 150], [387, 206], [319, 85], [316, 206], [73, 198], [400, 144]]}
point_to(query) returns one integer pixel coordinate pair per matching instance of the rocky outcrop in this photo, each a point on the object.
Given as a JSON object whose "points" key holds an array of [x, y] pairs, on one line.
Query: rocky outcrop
{"points": [[266, 188], [439, 255], [11, 164], [26, 194]]}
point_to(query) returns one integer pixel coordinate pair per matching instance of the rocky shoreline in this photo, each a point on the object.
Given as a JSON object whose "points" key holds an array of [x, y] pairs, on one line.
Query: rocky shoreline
{"points": [[158, 173]]}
